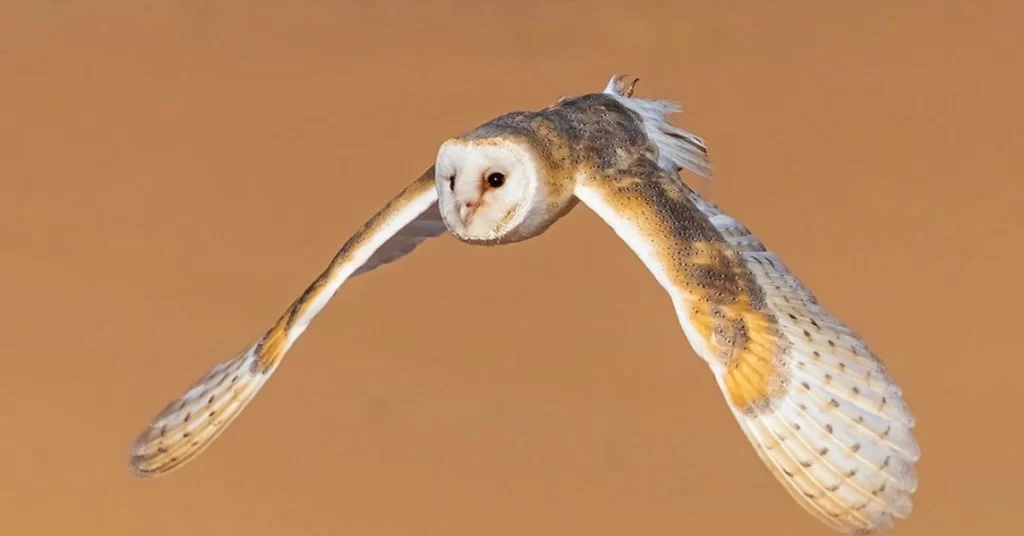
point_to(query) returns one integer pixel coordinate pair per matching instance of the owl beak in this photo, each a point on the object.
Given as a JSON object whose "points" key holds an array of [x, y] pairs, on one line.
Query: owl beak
{"points": [[467, 211]]}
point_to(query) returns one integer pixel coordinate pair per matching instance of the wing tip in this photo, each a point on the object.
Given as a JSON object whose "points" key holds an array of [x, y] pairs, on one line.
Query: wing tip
{"points": [[149, 457], [142, 454], [137, 468], [187, 425]]}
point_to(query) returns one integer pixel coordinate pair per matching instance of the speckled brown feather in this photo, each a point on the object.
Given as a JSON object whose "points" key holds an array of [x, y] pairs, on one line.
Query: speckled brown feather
{"points": [[725, 305], [815, 403]]}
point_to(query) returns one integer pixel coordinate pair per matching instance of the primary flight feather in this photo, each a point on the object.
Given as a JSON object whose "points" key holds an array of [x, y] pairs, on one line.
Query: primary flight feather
{"points": [[816, 403]]}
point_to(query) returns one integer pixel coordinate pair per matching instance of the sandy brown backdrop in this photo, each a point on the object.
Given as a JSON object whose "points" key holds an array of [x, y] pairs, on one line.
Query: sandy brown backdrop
{"points": [[173, 174]]}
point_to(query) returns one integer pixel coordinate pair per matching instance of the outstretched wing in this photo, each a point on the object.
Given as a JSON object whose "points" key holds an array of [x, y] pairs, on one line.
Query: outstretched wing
{"points": [[188, 425], [815, 402]]}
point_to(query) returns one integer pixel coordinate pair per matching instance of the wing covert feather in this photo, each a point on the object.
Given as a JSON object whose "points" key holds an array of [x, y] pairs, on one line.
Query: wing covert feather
{"points": [[817, 405], [189, 424]]}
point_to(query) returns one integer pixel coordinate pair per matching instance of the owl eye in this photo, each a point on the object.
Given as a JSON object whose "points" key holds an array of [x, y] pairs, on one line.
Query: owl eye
{"points": [[495, 180], [451, 183]]}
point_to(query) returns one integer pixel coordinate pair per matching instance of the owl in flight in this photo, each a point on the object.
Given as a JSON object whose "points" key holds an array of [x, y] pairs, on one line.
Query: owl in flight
{"points": [[817, 405]]}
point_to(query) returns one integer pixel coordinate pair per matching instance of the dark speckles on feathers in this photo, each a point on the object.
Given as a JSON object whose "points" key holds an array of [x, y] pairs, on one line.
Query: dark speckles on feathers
{"points": [[593, 126], [598, 132]]}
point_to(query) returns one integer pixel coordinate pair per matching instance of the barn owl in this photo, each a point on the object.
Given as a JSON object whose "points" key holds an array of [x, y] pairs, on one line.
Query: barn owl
{"points": [[818, 406]]}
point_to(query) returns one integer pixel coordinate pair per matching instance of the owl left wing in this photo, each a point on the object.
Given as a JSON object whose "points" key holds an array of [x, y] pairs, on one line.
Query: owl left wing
{"points": [[814, 401], [193, 421]]}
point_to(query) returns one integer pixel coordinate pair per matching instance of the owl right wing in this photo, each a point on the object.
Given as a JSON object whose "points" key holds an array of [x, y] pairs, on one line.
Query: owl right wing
{"points": [[817, 405], [189, 424]]}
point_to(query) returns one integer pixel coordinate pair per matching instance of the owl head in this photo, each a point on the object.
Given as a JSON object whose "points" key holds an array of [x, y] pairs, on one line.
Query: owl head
{"points": [[493, 188]]}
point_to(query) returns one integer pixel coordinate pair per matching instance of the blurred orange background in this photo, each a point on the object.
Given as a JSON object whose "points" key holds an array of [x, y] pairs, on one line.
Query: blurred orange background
{"points": [[173, 174]]}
